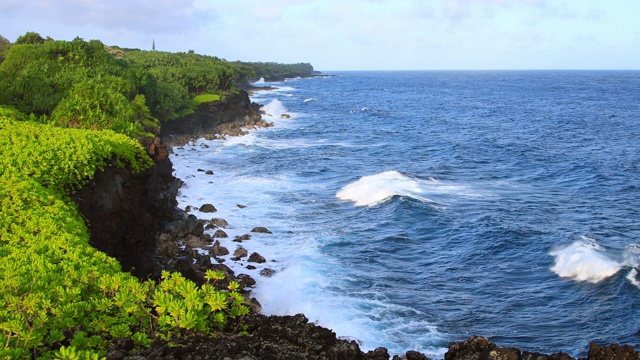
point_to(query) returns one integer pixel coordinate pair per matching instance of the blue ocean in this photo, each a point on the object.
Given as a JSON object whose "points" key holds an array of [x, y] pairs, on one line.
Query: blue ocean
{"points": [[413, 209]]}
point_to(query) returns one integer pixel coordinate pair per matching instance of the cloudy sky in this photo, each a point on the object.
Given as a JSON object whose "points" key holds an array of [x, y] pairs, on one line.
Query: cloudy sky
{"points": [[354, 34]]}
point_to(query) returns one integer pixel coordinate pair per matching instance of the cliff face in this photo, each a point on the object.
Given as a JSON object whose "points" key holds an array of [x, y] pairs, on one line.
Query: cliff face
{"points": [[129, 215], [212, 119], [125, 210]]}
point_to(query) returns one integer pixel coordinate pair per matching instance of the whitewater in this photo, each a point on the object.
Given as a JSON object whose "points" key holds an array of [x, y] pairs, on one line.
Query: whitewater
{"points": [[412, 209]]}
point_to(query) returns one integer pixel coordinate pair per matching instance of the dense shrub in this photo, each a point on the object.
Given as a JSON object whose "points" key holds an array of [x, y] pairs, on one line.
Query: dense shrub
{"points": [[61, 297]]}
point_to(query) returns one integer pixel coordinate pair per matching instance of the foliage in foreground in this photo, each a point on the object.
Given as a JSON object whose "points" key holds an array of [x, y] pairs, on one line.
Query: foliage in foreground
{"points": [[62, 298]]}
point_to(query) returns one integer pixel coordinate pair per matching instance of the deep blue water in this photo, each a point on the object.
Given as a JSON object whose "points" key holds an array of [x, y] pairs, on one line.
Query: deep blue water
{"points": [[411, 209]]}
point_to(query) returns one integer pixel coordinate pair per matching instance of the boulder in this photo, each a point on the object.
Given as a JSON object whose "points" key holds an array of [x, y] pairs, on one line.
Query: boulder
{"points": [[198, 229], [257, 258], [240, 252], [245, 280], [266, 272], [218, 250], [208, 208], [219, 234], [242, 238], [217, 222], [195, 242], [209, 172], [285, 116], [260, 229]]}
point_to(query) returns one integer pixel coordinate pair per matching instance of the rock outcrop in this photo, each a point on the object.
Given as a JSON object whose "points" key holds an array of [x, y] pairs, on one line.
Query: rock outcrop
{"points": [[125, 210], [214, 119]]}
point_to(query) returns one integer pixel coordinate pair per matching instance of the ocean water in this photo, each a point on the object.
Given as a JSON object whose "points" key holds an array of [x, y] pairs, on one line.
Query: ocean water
{"points": [[412, 209]]}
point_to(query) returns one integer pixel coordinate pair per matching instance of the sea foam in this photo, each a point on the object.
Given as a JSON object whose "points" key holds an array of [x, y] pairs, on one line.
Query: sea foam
{"points": [[584, 260], [372, 190]]}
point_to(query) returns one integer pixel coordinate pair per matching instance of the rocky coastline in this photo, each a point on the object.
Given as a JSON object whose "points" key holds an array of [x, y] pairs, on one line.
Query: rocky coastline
{"points": [[134, 217]]}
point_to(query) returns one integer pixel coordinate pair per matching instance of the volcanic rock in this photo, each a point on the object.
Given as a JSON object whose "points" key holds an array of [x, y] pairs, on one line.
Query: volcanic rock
{"points": [[240, 252], [260, 229], [220, 234], [208, 208], [257, 258]]}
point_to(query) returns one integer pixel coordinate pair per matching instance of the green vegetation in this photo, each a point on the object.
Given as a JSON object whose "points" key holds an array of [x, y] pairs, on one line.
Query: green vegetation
{"points": [[75, 84], [5, 45], [67, 110], [271, 71], [61, 297]]}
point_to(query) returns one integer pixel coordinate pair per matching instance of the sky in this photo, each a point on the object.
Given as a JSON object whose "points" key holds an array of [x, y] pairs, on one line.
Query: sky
{"points": [[353, 34]]}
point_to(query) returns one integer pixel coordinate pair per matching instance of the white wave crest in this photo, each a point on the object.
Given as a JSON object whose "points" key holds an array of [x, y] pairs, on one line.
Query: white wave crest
{"points": [[584, 260], [260, 81], [372, 190], [309, 100], [633, 278], [274, 108]]}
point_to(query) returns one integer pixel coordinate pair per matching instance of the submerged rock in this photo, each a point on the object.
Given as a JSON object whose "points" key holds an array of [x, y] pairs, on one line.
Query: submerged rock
{"points": [[267, 272], [242, 238]]}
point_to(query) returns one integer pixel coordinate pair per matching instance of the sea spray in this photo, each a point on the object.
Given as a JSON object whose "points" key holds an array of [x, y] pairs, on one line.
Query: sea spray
{"points": [[274, 109]]}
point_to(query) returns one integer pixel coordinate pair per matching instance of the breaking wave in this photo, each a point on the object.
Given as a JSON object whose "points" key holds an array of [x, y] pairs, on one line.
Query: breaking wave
{"points": [[376, 189]]}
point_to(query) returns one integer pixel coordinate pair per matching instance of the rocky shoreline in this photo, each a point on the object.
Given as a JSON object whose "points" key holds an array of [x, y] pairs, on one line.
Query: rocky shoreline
{"points": [[135, 218]]}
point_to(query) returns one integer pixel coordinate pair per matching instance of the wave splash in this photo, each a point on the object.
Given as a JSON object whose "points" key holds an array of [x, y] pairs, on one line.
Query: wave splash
{"points": [[376, 189], [274, 108], [585, 260]]}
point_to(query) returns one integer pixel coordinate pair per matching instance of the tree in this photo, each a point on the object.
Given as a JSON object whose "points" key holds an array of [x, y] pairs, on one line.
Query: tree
{"points": [[4, 48], [30, 38]]}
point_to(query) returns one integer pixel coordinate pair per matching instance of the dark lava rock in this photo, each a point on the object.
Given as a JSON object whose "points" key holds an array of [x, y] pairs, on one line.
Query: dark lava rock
{"points": [[257, 258], [245, 280], [273, 338], [209, 172], [198, 230], [250, 267], [242, 238], [241, 206], [217, 222], [218, 250], [476, 347], [412, 355], [480, 348], [613, 351], [200, 170], [240, 252], [208, 208], [260, 229], [266, 272], [220, 234]]}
